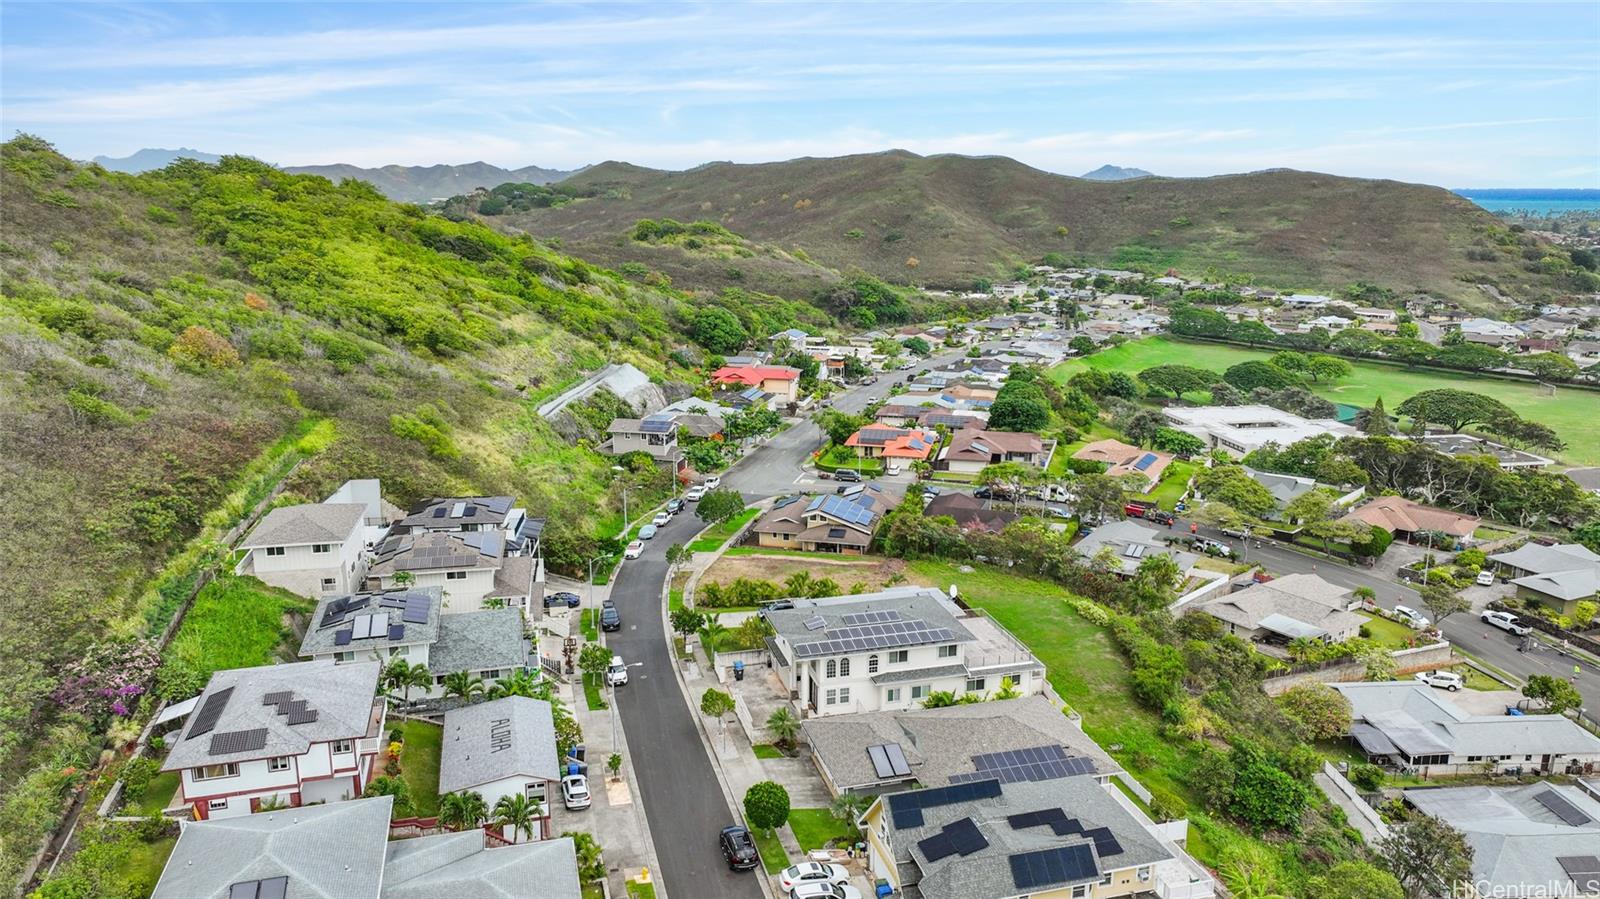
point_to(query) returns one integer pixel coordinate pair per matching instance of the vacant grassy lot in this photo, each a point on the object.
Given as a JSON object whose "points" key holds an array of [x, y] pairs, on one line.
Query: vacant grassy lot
{"points": [[419, 765], [814, 827], [1173, 485], [713, 537], [1570, 411], [873, 572]]}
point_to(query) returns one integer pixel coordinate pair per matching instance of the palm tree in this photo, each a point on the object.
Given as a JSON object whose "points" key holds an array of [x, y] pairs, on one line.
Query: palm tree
{"points": [[405, 677], [712, 632], [849, 806], [517, 812], [464, 684], [463, 810], [784, 725], [520, 683]]}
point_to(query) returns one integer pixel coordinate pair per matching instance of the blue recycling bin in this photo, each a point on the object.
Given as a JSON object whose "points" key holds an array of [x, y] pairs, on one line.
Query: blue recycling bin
{"points": [[738, 670]]}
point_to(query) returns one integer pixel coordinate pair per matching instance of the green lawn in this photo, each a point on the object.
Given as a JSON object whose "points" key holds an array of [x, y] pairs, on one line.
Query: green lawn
{"points": [[1172, 487], [1487, 533], [1570, 411], [836, 457], [419, 765], [773, 858], [637, 890], [674, 599], [713, 537], [767, 751], [586, 623], [142, 866], [814, 827], [236, 622], [593, 890], [157, 795], [1097, 431], [592, 695], [1391, 634]]}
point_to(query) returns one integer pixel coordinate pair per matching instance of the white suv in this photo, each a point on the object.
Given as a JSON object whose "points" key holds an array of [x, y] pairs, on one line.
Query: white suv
{"points": [[1447, 680], [616, 672], [1506, 622], [1411, 617], [694, 493]]}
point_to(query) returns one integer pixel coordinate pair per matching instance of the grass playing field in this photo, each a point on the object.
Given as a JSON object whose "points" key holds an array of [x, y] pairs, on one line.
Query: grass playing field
{"points": [[1575, 414]]}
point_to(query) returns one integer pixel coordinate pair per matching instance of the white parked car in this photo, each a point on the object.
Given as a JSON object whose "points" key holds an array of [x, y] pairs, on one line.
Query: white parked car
{"points": [[1506, 622], [694, 493], [1411, 617], [712, 482], [575, 792], [824, 890], [1447, 680], [894, 468], [662, 518], [1486, 578], [634, 550], [616, 672], [811, 872]]}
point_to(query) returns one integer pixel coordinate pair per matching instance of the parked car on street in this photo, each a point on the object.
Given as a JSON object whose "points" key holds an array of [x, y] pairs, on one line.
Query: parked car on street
{"points": [[1160, 517], [634, 550], [610, 618], [1506, 622], [847, 474], [662, 518], [575, 792], [1411, 617], [1485, 578], [822, 890], [616, 672], [738, 848], [1236, 533], [570, 600], [674, 506], [811, 872], [647, 532], [1212, 547], [712, 482], [1444, 680], [1138, 508]]}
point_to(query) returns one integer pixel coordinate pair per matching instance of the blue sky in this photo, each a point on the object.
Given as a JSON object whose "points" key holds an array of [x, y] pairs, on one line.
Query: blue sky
{"points": [[1456, 94]]}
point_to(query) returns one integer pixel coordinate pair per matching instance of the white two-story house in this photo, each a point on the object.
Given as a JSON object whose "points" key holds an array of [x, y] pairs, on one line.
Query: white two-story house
{"points": [[287, 735], [410, 624], [892, 650], [313, 549]]}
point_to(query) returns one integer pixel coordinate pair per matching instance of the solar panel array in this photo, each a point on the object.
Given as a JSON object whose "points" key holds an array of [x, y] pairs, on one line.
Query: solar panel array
{"points": [[889, 760], [210, 711], [341, 607], [1134, 550], [417, 608], [816, 623], [268, 888], [1584, 871], [1145, 461], [844, 510], [956, 838], [877, 617], [657, 425], [877, 435], [1033, 764], [1561, 808], [889, 635], [906, 808], [1063, 864], [1105, 842], [238, 741], [397, 632]]}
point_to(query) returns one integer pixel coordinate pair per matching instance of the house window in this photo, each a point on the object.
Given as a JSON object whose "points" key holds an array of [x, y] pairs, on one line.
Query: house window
{"points": [[212, 772], [1081, 891], [438, 680], [844, 695], [892, 694], [455, 575], [947, 652], [491, 674], [833, 668], [975, 685], [398, 651], [872, 664], [281, 763], [275, 550], [831, 697], [344, 657], [899, 656], [217, 805], [321, 548], [844, 667], [343, 746], [1106, 880], [919, 692]]}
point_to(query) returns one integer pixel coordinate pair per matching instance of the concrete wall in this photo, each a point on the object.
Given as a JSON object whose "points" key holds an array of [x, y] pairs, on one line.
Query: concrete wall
{"points": [[1407, 661]]}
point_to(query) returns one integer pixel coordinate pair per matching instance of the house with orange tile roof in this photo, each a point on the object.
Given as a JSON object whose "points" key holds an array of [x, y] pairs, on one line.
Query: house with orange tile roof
{"points": [[1404, 518], [782, 381], [1124, 459], [879, 442]]}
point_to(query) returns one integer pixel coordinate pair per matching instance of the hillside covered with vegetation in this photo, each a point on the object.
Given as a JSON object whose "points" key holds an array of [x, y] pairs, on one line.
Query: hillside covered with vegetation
{"points": [[944, 221], [176, 342]]}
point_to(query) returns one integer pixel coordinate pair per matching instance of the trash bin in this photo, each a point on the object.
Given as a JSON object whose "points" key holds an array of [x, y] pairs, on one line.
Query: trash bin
{"points": [[738, 670]]}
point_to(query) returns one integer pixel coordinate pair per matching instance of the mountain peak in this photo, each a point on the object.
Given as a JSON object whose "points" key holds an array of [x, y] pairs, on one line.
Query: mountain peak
{"points": [[1116, 173], [152, 158]]}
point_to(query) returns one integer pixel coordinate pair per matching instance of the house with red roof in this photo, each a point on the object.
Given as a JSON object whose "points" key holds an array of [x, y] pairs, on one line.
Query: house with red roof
{"points": [[781, 381], [879, 442]]}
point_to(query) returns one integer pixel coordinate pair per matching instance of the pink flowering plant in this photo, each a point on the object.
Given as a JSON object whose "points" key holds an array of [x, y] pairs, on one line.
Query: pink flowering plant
{"points": [[108, 680]]}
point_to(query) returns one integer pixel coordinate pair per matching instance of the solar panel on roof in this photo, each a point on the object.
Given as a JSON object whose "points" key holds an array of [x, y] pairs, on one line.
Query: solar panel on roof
{"points": [[397, 632], [1032, 764], [1134, 550], [1144, 462], [1583, 870], [341, 638], [302, 716], [897, 760], [210, 711], [1561, 808], [457, 509], [439, 512], [906, 808], [362, 627], [816, 623], [269, 888], [873, 617], [416, 613], [275, 698], [238, 741], [880, 761], [1062, 864]]}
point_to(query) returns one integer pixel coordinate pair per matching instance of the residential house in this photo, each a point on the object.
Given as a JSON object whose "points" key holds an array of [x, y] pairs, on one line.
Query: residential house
{"points": [[654, 435], [344, 851], [780, 381], [471, 567], [312, 548], [955, 420], [829, 523], [1304, 301], [1331, 323], [972, 450], [1548, 326], [411, 624], [1119, 300], [1584, 352], [890, 650], [1291, 607], [1529, 345], [1386, 329], [1374, 314], [969, 512], [503, 747], [1009, 289], [899, 415], [792, 340], [470, 514], [1559, 576], [1127, 543], [1415, 728], [290, 735], [896, 444], [1467, 445], [1489, 331], [997, 838], [1286, 488], [369, 493], [1405, 519], [887, 752], [1243, 429], [1537, 839], [1123, 459]]}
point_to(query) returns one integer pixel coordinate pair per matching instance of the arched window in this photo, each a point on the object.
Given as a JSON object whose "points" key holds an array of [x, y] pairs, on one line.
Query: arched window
{"points": [[872, 664], [844, 667], [833, 668]]}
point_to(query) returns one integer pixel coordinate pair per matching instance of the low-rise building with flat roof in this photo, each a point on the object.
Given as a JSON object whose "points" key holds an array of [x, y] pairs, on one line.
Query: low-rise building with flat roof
{"points": [[1506, 457], [1244, 429]]}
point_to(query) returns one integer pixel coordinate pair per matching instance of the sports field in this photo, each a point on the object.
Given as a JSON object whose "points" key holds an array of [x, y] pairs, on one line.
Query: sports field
{"points": [[1575, 414]]}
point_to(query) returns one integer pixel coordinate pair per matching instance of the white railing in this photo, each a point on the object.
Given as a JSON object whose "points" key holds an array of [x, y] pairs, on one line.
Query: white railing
{"points": [[1199, 889]]}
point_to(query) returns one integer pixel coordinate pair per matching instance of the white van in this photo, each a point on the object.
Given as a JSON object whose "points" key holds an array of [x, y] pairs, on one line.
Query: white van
{"points": [[616, 672]]}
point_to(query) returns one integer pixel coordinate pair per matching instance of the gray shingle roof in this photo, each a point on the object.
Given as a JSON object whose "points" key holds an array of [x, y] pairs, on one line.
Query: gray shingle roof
{"points": [[1305, 598], [1417, 719], [915, 674], [437, 551], [306, 523], [334, 850], [479, 641], [458, 866], [320, 638], [941, 742], [490, 741], [341, 695], [909, 603], [1516, 840], [1119, 535], [473, 510]]}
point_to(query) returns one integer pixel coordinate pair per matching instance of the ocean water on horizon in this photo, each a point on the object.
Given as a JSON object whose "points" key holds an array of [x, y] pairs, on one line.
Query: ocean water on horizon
{"points": [[1501, 202]]}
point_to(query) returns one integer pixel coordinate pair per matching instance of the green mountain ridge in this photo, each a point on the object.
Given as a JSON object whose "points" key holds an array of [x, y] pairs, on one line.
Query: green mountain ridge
{"points": [[943, 221]]}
